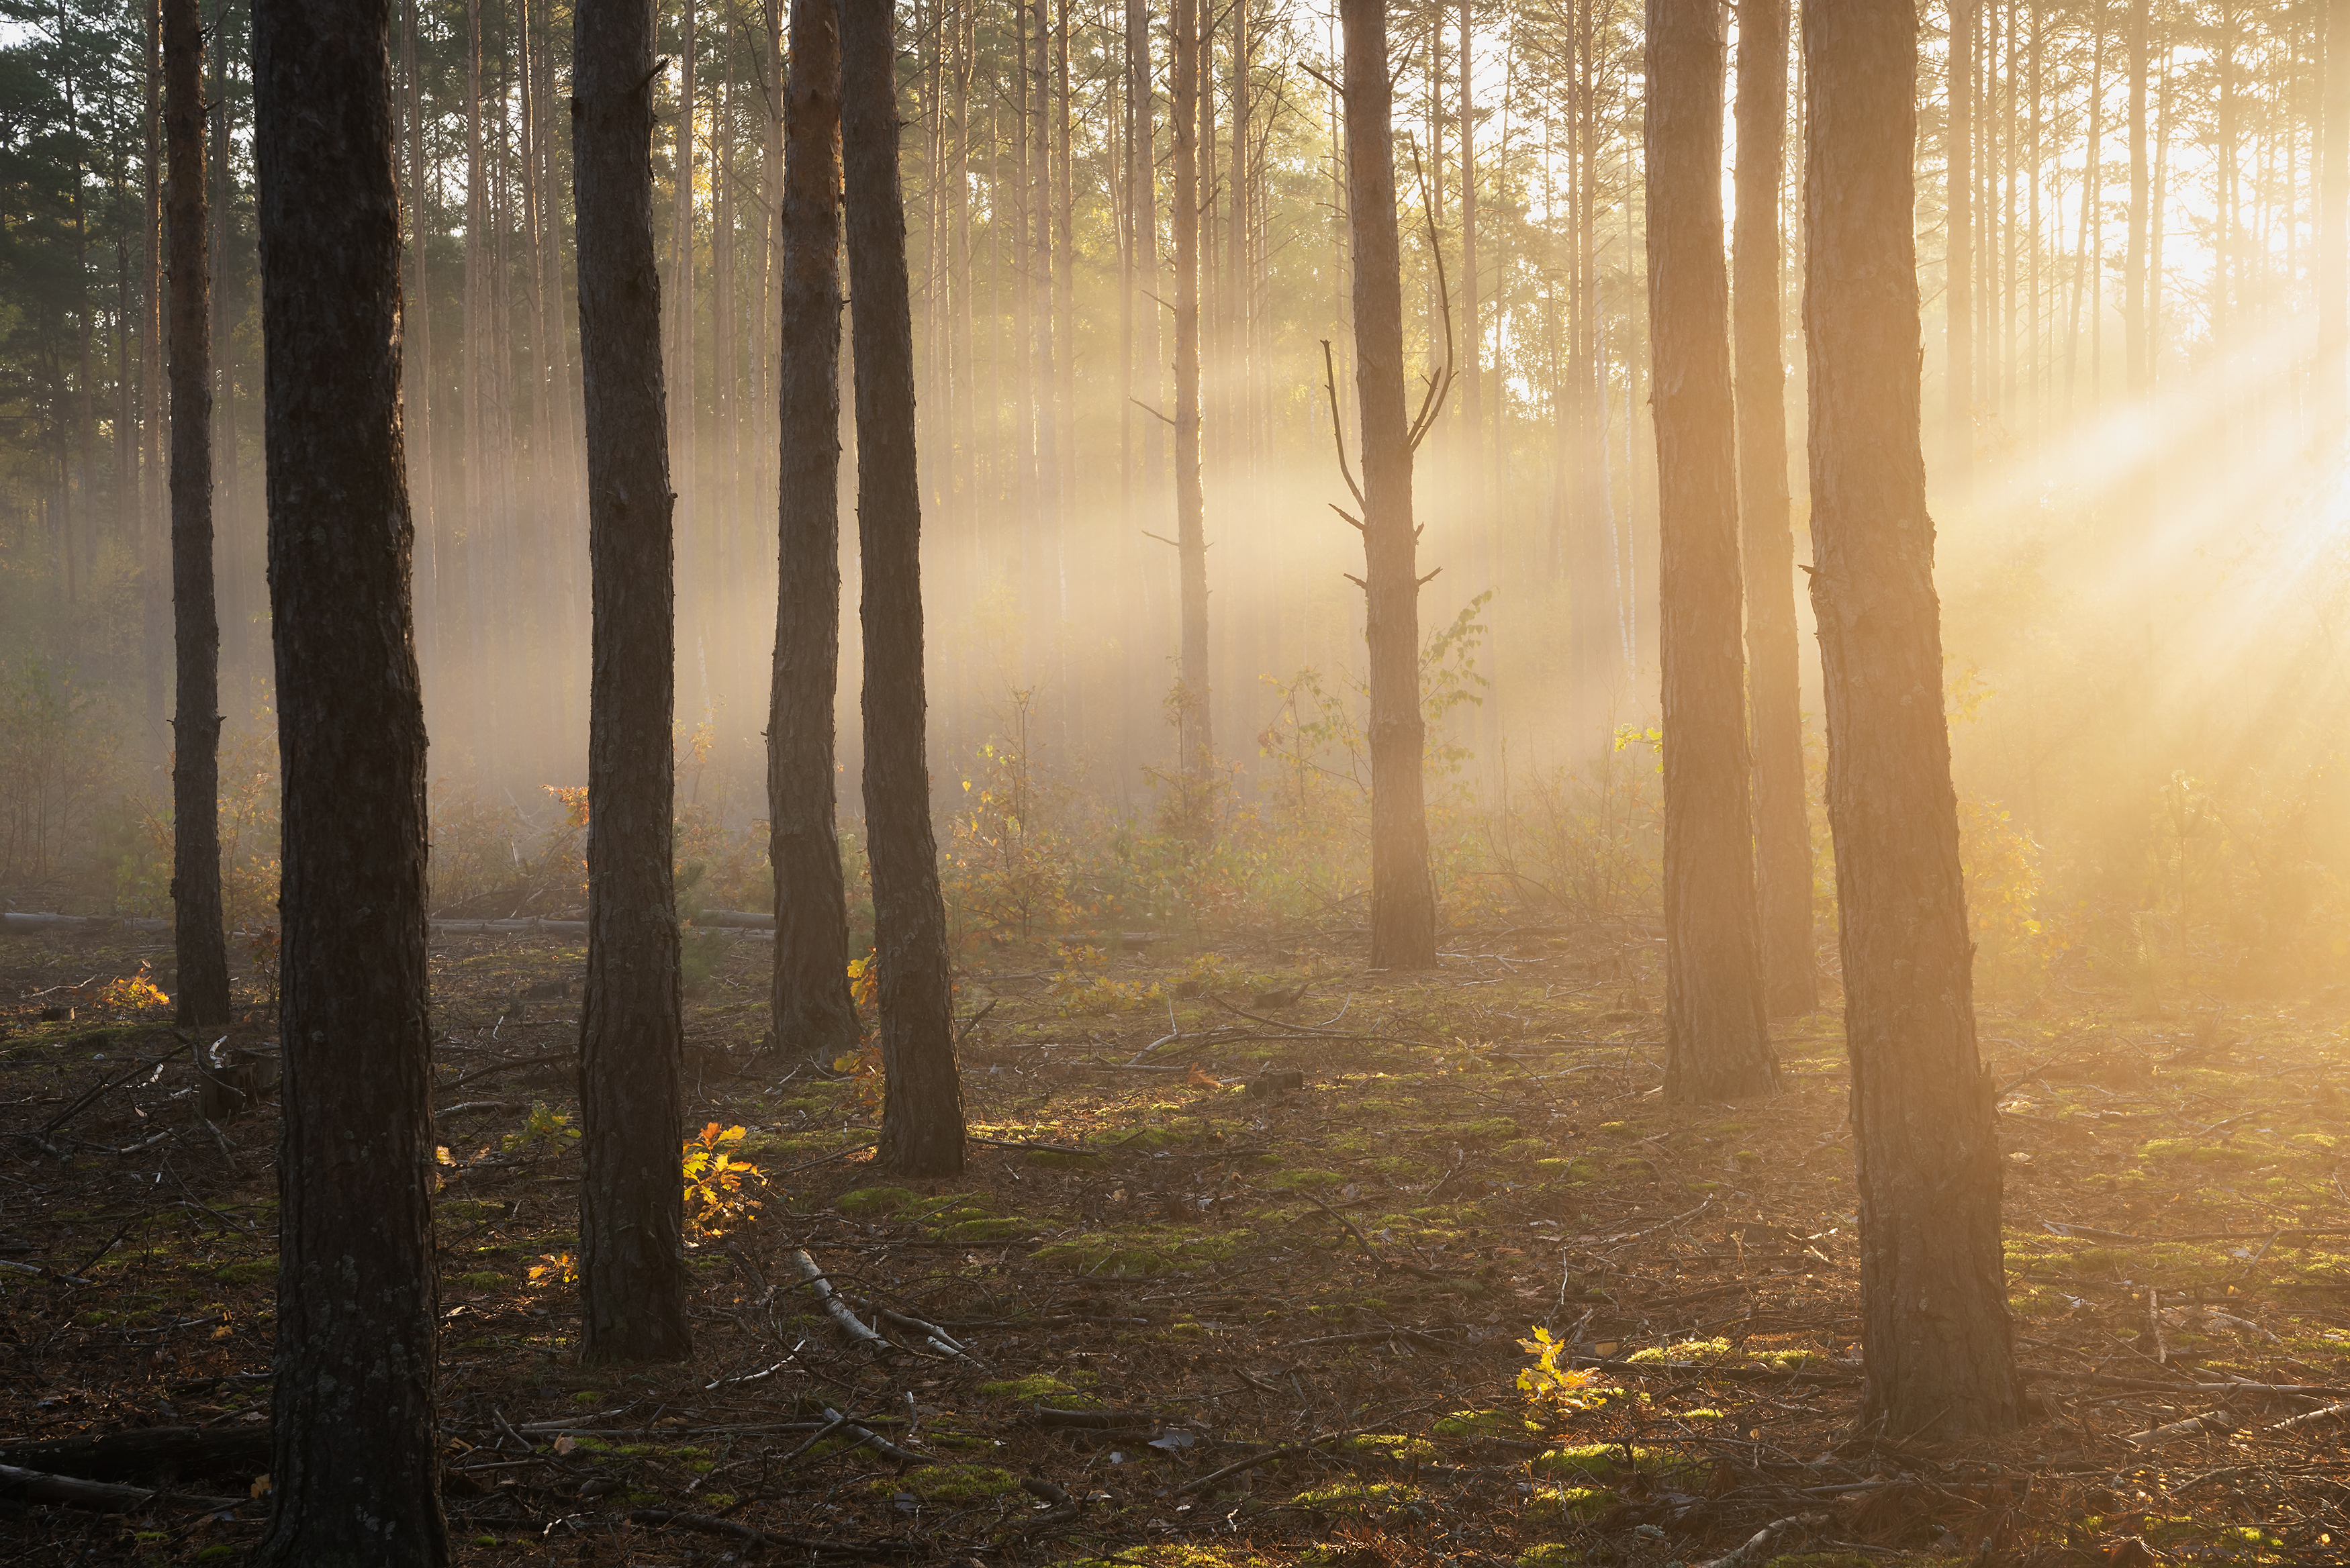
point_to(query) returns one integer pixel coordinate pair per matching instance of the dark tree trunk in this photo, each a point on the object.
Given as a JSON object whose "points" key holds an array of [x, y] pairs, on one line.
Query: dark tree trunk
{"points": [[1403, 901], [1194, 740], [198, 938], [1934, 1325], [154, 540], [1717, 1044], [813, 1015], [922, 1117], [1783, 832], [631, 1238], [356, 1471]]}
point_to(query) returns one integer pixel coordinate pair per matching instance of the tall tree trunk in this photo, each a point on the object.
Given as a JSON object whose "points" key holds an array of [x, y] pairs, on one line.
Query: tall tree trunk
{"points": [[2090, 173], [813, 1015], [154, 579], [478, 407], [1935, 1336], [1403, 900], [2332, 216], [2133, 248], [921, 1114], [1471, 414], [1717, 1043], [685, 463], [632, 1261], [356, 1457], [417, 409], [198, 938], [1194, 743], [224, 293], [1782, 835], [1958, 256]]}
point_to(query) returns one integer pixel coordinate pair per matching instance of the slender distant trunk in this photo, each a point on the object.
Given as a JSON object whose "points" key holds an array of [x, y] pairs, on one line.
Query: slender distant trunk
{"points": [[1782, 835], [2158, 218], [198, 936], [221, 178], [2333, 213], [1935, 1336], [1717, 1044], [2090, 174], [417, 409], [1065, 279], [632, 1261], [356, 1458], [1958, 257], [685, 469], [1403, 900], [1471, 414], [1194, 744], [155, 587], [480, 525], [812, 1014], [921, 1114]]}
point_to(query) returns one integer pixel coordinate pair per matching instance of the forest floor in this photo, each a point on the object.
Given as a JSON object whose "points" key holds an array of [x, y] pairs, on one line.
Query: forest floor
{"points": [[1199, 1318]]}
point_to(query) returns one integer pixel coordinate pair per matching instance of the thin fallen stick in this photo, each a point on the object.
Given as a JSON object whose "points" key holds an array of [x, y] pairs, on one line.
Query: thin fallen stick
{"points": [[2209, 1421], [939, 1339], [876, 1442], [2308, 1419], [850, 1324], [99, 1496], [1758, 1547]]}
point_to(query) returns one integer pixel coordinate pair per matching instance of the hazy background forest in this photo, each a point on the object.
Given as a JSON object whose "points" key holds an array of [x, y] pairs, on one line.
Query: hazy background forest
{"points": [[2142, 516]]}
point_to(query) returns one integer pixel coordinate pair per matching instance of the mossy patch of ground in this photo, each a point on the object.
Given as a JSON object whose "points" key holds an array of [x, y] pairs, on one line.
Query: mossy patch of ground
{"points": [[949, 1486]]}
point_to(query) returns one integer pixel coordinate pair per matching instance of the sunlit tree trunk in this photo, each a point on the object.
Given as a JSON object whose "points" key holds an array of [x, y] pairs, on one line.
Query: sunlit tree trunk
{"points": [[355, 1466], [1935, 1336], [1403, 900], [921, 1113], [199, 940], [1782, 835], [631, 1225], [1717, 1043], [813, 1016]]}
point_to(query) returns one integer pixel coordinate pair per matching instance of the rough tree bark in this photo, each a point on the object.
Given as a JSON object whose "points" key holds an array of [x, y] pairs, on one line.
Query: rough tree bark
{"points": [[1403, 900], [812, 1012], [1935, 1336], [921, 1114], [2134, 275], [355, 1471], [1717, 1043], [1783, 832], [631, 1241], [1194, 739], [198, 937]]}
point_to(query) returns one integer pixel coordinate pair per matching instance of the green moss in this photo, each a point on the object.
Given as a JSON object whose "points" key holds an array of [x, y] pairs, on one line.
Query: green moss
{"points": [[1524, 1148], [1354, 1497], [1599, 1460], [253, 1272], [1574, 1501], [483, 1279], [949, 1486], [1291, 1181], [1485, 1424], [1035, 1385], [1138, 1252], [1393, 1445], [1553, 1554]]}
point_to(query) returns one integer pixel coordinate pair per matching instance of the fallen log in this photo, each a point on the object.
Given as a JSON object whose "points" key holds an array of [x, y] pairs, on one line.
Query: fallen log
{"points": [[99, 1496], [154, 1452]]}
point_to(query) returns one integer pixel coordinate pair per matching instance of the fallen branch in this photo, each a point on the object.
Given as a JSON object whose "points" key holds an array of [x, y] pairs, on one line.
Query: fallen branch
{"points": [[2209, 1421], [99, 1496], [934, 1336], [875, 1440], [1760, 1545], [830, 1300], [147, 1450]]}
